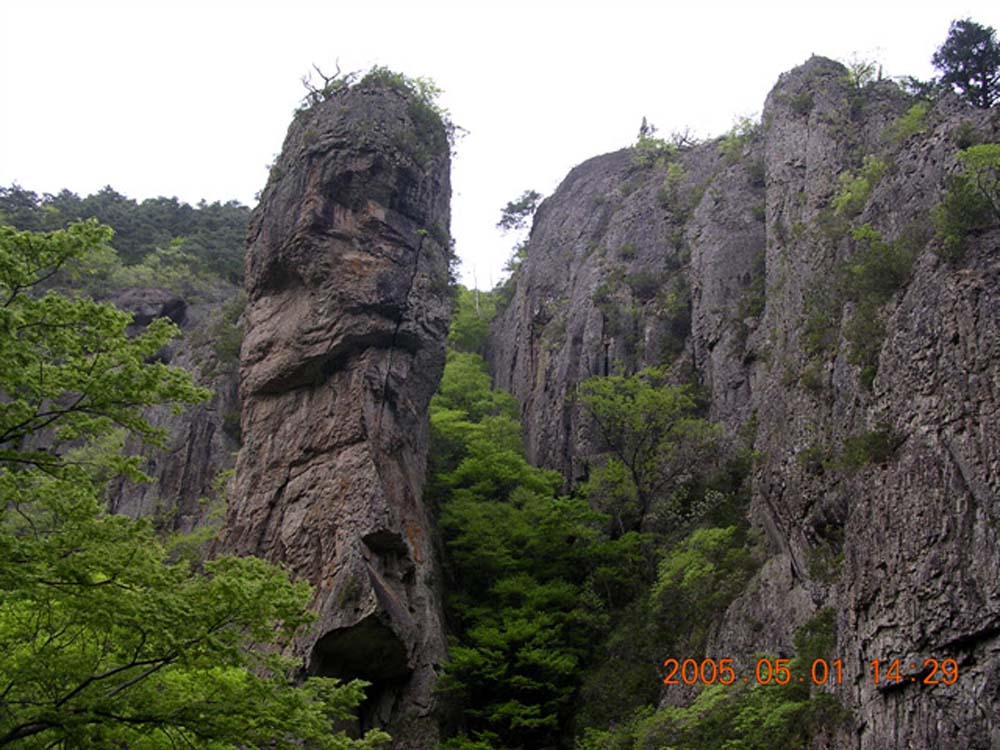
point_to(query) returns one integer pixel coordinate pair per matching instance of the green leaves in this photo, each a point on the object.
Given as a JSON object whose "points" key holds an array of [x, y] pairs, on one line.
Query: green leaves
{"points": [[531, 564], [855, 189], [470, 323], [70, 367], [972, 201], [653, 433], [212, 233], [697, 579], [982, 165], [106, 641]]}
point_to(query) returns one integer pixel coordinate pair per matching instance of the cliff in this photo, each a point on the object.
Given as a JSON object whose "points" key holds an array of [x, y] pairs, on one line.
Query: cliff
{"points": [[189, 474], [347, 277], [721, 261]]}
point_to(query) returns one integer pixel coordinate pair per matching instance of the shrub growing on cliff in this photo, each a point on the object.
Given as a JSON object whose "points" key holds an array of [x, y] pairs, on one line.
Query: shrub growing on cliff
{"points": [[429, 117], [732, 144], [913, 122], [738, 717], [106, 641], [697, 580], [855, 188], [649, 150], [972, 201], [516, 214], [876, 269], [870, 447]]}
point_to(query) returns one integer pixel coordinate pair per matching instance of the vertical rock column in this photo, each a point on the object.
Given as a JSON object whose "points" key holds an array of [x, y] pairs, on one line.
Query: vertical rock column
{"points": [[346, 325]]}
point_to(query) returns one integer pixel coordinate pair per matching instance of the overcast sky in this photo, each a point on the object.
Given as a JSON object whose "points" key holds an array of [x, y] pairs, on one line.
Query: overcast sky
{"points": [[193, 99]]}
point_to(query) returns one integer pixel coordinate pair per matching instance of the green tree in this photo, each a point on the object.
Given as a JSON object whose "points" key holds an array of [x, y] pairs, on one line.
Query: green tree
{"points": [[514, 216], [697, 580], [653, 432], [213, 234], [106, 640], [470, 323], [969, 60], [537, 574], [981, 164]]}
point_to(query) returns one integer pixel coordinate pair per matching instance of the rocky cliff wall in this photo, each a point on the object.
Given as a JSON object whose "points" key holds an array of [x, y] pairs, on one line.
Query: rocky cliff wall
{"points": [[722, 263], [346, 323], [190, 473]]}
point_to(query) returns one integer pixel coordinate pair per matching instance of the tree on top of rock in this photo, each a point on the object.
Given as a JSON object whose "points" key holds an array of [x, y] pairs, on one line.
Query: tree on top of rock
{"points": [[970, 61]]}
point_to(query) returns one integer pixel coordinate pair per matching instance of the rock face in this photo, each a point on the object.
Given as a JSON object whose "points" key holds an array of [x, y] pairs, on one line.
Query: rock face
{"points": [[624, 262], [712, 265], [188, 490], [346, 323]]}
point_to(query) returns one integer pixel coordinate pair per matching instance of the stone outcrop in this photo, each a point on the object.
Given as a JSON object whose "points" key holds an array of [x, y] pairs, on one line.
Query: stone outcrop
{"points": [[347, 278], [710, 265]]}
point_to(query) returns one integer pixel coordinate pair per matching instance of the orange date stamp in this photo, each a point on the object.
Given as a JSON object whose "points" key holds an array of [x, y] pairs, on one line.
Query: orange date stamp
{"points": [[884, 673]]}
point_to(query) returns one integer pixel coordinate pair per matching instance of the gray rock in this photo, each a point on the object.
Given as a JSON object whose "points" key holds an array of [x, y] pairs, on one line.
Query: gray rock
{"points": [[201, 440]]}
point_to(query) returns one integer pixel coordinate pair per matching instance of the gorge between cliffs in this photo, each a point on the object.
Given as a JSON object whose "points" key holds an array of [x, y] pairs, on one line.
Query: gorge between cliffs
{"points": [[505, 545]]}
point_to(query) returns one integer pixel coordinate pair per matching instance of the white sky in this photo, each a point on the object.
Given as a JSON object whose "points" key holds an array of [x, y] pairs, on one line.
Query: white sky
{"points": [[193, 99]]}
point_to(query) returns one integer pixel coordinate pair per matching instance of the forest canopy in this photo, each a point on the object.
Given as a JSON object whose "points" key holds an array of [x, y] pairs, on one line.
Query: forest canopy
{"points": [[207, 239]]}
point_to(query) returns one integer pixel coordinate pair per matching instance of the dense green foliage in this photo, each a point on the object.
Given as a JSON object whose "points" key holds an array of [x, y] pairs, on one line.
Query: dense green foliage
{"points": [[696, 581], [470, 322], [655, 438], [158, 232], [560, 614], [532, 566], [69, 367], [969, 60], [107, 640]]}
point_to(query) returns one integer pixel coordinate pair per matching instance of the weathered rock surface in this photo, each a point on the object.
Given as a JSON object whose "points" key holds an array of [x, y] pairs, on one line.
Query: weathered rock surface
{"points": [[187, 490], [745, 242], [346, 324]]}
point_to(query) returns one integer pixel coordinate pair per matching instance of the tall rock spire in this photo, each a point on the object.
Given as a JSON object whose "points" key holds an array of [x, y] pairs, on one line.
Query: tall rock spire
{"points": [[346, 325]]}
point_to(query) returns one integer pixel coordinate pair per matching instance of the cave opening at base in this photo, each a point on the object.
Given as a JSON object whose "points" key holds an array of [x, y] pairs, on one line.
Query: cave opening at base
{"points": [[369, 651]]}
